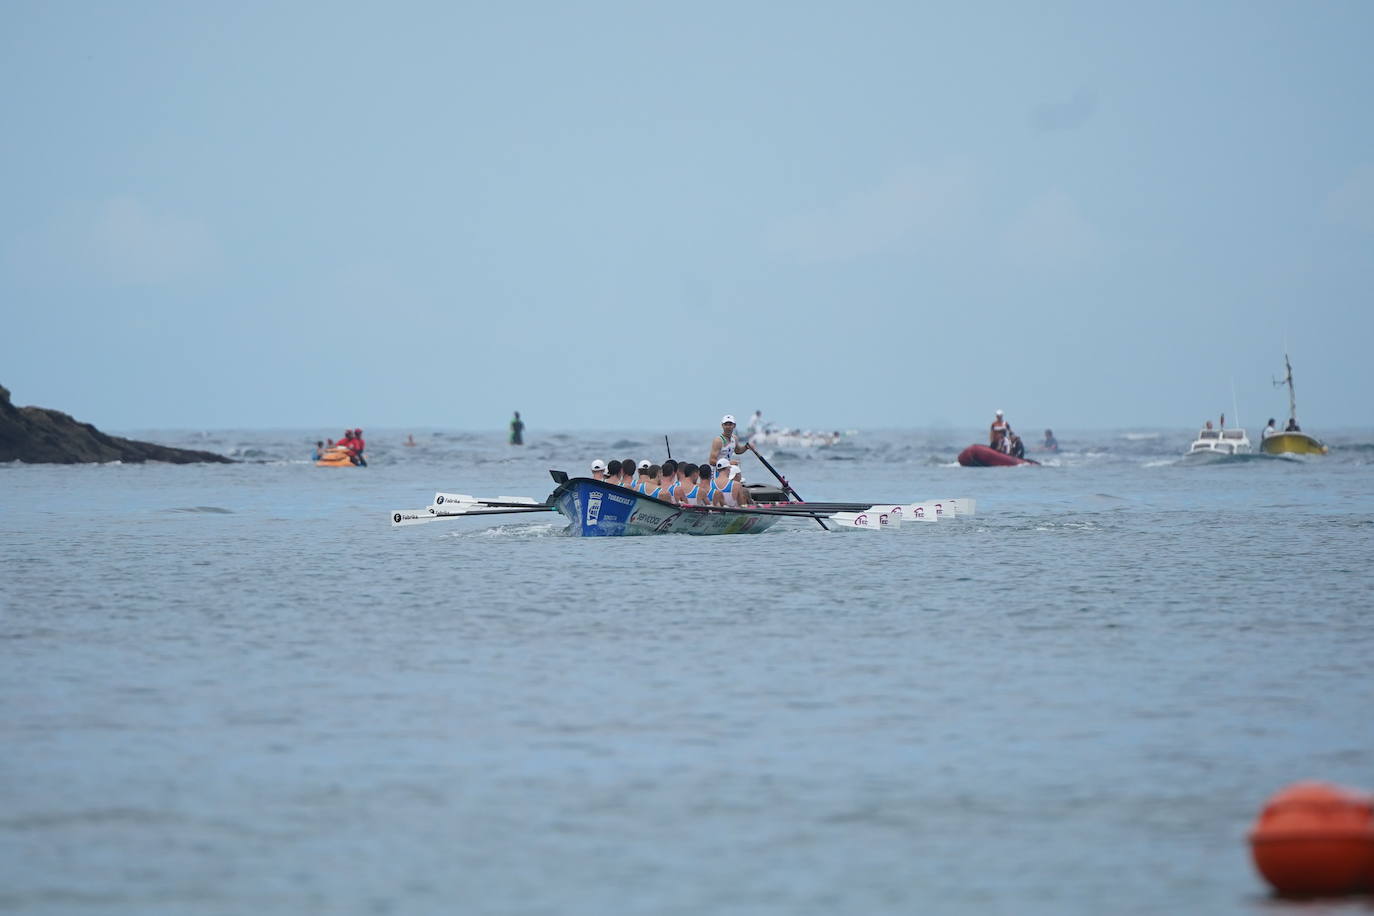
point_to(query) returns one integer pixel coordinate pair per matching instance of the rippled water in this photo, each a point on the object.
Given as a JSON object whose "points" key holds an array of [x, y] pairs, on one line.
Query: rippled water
{"points": [[237, 689]]}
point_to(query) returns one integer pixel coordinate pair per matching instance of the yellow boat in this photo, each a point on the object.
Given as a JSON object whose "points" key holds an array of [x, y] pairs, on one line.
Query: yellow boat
{"points": [[1292, 443], [1290, 440]]}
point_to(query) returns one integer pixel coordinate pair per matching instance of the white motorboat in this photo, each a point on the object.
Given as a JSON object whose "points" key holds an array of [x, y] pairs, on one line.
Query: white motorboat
{"points": [[1221, 442]]}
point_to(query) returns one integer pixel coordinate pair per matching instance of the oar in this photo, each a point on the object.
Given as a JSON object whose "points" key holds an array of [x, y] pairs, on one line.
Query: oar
{"points": [[790, 513], [786, 487], [403, 517], [668, 447]]}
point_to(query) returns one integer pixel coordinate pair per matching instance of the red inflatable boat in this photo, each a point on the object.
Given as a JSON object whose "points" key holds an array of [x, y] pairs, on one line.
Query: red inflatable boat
{"points": [[981, 456]]}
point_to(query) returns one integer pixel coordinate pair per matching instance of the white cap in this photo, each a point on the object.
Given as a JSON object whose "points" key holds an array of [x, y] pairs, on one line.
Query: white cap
{"points": [[999, 413], [644, 464], [722, 462], [728, 418], [598, 465]]}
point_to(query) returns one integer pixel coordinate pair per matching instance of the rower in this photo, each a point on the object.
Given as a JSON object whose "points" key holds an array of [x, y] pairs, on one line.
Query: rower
{"points": [[598, 470], [726, 489], [670, 480], [690, 488], [644, 465], [742, 494], [726, 444], [627, 473], [613, 471], [998, 429], [649, 483]]}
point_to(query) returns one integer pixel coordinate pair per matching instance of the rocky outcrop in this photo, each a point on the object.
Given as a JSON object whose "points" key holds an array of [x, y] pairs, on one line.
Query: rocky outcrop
{"points": [[37, 435]]}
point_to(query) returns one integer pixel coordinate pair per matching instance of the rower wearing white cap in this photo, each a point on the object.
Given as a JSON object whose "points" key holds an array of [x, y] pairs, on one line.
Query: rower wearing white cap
{"points": [[726, 489], [598, 469], [727, 444], [999, 431]]}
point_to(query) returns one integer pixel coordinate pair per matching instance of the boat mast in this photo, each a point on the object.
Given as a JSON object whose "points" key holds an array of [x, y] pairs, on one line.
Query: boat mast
{"points": [[1292, 398]]}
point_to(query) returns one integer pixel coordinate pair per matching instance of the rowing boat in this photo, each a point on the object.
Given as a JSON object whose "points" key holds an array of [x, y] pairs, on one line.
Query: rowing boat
{"points": [[596, 508]]}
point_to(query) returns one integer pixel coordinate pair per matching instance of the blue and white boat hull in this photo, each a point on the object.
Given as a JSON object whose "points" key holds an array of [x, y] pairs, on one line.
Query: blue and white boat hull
{"points": [[596, 509]]}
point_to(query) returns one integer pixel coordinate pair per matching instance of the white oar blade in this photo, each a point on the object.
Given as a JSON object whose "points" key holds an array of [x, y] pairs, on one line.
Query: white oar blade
{"points": [[861, 521], [956, 506], [463, 499], [919, 512], [897, 514], [403, 517]]}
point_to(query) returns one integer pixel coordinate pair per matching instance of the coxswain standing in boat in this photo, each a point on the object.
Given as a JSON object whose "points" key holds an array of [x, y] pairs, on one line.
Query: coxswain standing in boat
{"points": [[727, 445]]}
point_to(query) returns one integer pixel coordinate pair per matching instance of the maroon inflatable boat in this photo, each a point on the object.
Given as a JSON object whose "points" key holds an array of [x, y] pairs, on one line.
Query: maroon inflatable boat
{"points": [[981, 456]]}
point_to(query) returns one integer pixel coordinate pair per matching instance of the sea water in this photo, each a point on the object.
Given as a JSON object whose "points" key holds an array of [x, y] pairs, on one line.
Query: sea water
{"points": [[233, 689]]}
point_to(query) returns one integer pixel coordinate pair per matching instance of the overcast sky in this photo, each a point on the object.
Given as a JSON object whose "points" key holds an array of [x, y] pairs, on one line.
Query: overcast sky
{"points": [[644, 215]]}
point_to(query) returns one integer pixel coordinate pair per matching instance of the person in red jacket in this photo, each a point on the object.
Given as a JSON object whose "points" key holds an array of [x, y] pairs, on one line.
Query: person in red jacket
{"points": [[358, 445]]}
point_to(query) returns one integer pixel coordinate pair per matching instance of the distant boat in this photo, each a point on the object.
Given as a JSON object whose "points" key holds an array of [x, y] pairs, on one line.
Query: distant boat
{"points": [[983, 456], [1220, 442], [1291, 440]]}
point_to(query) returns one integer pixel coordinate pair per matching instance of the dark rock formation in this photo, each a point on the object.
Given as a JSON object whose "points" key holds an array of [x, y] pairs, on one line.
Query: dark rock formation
{"points": [[38, 435]]}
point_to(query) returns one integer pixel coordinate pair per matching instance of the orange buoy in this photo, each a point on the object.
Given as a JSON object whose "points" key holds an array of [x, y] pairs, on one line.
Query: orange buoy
{"points": [[1316, 839]]}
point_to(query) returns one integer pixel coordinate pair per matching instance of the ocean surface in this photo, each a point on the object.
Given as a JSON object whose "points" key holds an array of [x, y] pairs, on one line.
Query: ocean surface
{"points": [[236, 689]]}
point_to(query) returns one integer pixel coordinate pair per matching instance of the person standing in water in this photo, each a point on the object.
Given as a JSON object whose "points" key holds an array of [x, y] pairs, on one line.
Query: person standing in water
{"points": [[1050, 443], [517, 430]]}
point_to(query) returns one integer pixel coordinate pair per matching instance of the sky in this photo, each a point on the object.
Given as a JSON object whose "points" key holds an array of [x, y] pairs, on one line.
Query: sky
{"points": [[632, 216]]}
